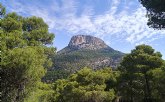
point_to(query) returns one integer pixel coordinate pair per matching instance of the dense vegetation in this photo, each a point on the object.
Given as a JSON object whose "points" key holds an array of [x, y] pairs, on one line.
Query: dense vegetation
{"points": [[25, 57], [75, 60], [139, 69], [86, 86]]}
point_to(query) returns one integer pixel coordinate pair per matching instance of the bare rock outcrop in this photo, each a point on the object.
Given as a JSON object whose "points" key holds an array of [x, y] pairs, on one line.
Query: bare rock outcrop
{"points": [[86, 42]]}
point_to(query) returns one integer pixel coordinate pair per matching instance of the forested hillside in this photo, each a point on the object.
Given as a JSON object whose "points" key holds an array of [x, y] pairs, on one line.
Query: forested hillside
{"points": [[82, 51]]}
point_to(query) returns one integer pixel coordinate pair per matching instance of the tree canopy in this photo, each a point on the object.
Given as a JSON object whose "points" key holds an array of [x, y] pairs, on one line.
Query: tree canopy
{"points": [[86, 86], [24, 54], [138, 82], [155, 13]]}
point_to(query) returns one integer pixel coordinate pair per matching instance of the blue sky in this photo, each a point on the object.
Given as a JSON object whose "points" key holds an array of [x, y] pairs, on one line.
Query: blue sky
{"points": [[120, 23]]}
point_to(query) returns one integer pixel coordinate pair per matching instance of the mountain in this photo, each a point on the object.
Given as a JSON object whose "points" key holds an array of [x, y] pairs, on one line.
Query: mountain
{"points": [[85, 42], [83, 51]]}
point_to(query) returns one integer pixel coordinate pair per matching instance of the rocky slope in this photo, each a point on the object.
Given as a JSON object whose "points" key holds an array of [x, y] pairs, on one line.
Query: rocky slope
{"points": [[85, 42], [84, 51]]}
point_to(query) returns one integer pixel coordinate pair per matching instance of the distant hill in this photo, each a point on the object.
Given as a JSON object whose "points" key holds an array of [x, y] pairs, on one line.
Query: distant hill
{"points": [[83, 51]]}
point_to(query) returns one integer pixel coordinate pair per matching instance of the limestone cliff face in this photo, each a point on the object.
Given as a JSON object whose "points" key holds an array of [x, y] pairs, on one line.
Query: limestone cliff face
{"points": [[86, 42]]}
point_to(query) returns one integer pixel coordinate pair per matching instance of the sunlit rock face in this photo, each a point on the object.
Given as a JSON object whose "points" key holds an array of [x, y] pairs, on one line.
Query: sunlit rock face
{"points": [[86, 42]]}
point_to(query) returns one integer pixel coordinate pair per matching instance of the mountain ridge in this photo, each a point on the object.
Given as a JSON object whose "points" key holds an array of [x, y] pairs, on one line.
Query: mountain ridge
{"points": [[84, 51], [87, 42]]}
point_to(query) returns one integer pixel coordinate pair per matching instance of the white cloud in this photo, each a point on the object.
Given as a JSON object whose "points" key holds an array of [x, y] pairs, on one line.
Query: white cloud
{"points": [[128, 26]]}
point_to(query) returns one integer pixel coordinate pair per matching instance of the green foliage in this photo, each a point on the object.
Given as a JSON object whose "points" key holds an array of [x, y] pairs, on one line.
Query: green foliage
{"points": [[88, 54], [24, 60], [137, 81], [85, 86], [36, 31], [159, 82], [11, 22], [75, 60], [155, 13], [43, 93], [53, 75], [21, 69]]}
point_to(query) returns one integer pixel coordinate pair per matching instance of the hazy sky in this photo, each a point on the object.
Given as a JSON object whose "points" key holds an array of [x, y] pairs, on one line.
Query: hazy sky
{"points": [[120, 23]]}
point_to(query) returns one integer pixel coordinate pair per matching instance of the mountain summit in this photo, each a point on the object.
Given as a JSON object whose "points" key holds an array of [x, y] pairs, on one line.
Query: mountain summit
{"points": [[83, 51], [90, 50], [86, 42]]}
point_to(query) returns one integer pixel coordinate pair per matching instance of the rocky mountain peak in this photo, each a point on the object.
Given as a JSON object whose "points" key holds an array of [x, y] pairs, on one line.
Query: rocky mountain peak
{"points": [[86, 42]]}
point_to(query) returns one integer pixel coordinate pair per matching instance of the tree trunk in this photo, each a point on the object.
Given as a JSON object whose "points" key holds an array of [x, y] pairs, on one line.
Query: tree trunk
{"points": [[148, 98]]}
